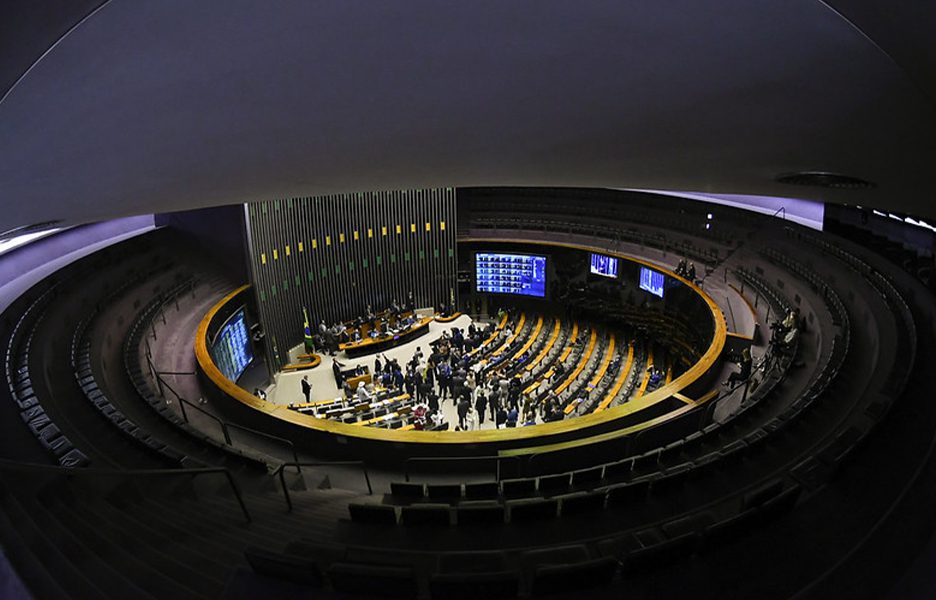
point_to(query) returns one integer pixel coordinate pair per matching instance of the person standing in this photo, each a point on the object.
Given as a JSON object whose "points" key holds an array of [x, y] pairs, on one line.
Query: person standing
{"points": [[471, 419], [306, 388], [480, 406], [500, 417], [463, 407]]}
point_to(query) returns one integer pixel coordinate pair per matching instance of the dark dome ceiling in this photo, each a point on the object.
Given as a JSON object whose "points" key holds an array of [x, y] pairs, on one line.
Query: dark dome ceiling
{"points": [[120, 108]]}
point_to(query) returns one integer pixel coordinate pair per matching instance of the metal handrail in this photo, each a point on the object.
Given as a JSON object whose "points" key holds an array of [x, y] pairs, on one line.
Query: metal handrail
{"points": [[286, 441], [282, 469], [225, 425], [9, 465], [183, 402], [173, 296], [497, 462]]}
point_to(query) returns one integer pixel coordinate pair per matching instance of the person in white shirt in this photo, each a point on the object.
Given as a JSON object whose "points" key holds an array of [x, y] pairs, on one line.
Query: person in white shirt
{"points": [[362, 394]]}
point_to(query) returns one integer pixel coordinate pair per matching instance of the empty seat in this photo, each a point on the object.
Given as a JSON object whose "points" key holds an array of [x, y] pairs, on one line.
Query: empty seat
{"points": [[583, 503], [373, 580], [619, 471], [485, 561], [480, 514], [730, 529], [471, 586], [425, 515], [671, 480], [488, 490], [587, 478], [284, 566], [446, 492], [628, 493], [618, 546], [407, 491], [553, 555], [518, 488], [694, 523], [659, 555], [374, 514], [761, 494], [782, 502], [554, 484], [571, 578], [533, 510]]}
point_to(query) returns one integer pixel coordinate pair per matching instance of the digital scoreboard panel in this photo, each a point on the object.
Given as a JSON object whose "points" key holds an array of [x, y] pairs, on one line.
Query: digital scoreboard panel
{"points": [[231, 350], [520, 274], [652, 281], [606, 266]]}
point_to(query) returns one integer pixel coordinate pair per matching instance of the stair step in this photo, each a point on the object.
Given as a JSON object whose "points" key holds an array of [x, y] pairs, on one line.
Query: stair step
{"points": [[175, 558], [132, 563], [67, 557], [33, 572]]}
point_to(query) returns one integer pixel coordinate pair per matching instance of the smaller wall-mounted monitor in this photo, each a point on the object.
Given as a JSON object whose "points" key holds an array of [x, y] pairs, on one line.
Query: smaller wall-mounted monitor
{"points": [[500, 273], [231, 350], [652, 281], [606, 266]]}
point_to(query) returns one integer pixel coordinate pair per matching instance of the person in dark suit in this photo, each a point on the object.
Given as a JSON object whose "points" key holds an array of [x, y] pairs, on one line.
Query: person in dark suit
{"points": [[306, 388], [480, 406], [336, 369], [463, 406]]}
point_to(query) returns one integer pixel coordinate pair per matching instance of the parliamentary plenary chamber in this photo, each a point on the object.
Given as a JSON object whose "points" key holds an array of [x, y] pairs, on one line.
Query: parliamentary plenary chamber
{"points": [[441, 300]]}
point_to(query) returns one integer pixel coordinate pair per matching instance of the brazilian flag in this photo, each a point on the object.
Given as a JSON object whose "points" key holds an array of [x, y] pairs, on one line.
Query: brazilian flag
{"points": [[307, 333]]}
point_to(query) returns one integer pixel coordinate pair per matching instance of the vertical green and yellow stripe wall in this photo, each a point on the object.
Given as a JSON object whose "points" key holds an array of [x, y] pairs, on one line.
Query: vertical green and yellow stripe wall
{"points": [[336, 254]]}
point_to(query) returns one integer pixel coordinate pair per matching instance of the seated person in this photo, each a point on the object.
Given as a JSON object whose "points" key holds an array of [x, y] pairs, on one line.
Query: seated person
{"points": [[745, 365], [419, 416]]}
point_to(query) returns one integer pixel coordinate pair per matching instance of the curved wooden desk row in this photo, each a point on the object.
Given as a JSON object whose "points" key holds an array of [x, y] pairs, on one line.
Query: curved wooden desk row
{"points": [[448, 319], [385, 342], [306, 361], [331, 438]]}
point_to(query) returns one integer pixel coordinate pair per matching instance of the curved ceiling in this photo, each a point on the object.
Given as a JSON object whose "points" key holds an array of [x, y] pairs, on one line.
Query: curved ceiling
{"points": [[150, 107]]}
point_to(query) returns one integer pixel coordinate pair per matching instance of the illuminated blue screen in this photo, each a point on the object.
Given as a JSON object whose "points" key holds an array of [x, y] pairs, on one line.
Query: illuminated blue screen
{"points": [[231, 348], [606, 266], [652, 281], [521, 274]]}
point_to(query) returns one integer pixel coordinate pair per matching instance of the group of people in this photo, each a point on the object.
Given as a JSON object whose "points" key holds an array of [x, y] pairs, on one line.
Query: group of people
{"points": [[686, 269], [451, 371], [329, 338], [784, 333]]}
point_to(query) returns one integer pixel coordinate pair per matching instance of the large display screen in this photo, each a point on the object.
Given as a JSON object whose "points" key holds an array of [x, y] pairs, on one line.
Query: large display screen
{"points": [[606, 266], [652, 281], [500, 273], [231, 350]]}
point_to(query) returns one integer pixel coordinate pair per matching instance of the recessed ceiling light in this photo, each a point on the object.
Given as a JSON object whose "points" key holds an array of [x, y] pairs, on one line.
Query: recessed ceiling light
{"points": [[826, 180]]}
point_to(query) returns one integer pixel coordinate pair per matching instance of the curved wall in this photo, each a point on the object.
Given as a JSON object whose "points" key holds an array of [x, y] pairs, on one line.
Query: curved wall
{"points": [[337, 439]]}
